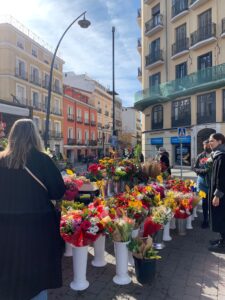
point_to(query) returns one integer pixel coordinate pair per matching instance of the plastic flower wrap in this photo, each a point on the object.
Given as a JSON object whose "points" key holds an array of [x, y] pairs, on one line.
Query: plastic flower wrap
{"points": [[184, 208], [161, 214], [151, 169], [95, 172], [72, 187], [120, 229], [80, 227], [142, 248]]}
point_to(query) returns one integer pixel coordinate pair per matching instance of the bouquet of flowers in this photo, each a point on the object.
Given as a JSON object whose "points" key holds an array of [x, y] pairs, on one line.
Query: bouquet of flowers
{"points": [[70, 206], [184, 208], [120, 229], [82, 227], [161, 214], [72, 187], [142, 248], [95, 172], [109, 165]]}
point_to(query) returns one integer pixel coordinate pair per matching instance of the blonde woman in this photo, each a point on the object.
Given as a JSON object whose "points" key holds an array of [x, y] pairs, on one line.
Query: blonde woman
{"points": [[30, 254]]}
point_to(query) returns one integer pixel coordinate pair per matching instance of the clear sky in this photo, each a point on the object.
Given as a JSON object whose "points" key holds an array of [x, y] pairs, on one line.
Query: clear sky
{"points": [[88, 50]]}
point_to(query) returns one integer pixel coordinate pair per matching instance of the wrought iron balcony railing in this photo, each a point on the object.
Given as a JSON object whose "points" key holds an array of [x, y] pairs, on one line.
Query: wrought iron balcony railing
{"points": [[158, 125], [203, 33], [70, 117], [178, 7], [153, 22], [153, 57], [180, 45], [35, 80], [21, 74]]}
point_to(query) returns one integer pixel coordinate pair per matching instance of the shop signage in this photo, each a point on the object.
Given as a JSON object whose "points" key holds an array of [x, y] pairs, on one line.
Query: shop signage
{"points": [[156, 141], [183, 139]]}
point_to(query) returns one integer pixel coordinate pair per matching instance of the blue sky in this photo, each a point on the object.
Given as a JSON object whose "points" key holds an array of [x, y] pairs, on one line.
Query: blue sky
{"points": [[88, 50]]}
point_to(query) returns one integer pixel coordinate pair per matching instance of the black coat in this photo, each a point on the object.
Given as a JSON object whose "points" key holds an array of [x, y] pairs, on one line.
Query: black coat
{"points": [[30, 254], [218, 183]]}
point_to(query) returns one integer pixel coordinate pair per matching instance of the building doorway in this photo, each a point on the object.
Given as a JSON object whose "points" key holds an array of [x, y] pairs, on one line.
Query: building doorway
{"points": [[202, 136]]}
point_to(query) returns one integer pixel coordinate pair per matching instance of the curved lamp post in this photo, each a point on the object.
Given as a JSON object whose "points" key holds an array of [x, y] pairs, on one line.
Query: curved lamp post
{"points": [[83, 24]]}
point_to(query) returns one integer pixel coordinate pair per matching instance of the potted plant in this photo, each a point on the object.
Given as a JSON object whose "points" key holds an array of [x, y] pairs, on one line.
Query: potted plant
{"points": [[145, 257]]}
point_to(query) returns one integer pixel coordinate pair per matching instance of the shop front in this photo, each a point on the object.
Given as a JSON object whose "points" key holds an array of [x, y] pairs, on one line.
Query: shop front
{"points": [[185, 150]]}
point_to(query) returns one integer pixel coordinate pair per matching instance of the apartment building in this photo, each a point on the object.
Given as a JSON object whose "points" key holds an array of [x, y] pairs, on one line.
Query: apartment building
{"points": [[131, 127], [101, 98], [80, 125], [24, 77], [182, 72]]}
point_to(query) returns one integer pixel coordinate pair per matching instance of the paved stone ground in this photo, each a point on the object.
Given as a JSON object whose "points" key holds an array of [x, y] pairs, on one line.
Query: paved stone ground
{"points": [[187, 271]]}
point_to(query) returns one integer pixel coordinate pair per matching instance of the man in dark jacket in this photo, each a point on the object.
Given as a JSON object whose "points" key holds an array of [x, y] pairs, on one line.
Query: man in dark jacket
{"points": [[164, 161], [203, 179]]}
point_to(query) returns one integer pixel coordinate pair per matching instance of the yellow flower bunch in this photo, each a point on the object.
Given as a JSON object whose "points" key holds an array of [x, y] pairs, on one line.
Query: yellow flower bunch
{"points": [[159, 178], [157, 200], [135, 204], [202, 194], [170, 202]]}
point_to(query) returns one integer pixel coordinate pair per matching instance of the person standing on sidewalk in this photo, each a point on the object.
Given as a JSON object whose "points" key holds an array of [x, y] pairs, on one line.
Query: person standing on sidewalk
{"points": [[203, 180], [217, 191], [30, 252], [164, 161]]}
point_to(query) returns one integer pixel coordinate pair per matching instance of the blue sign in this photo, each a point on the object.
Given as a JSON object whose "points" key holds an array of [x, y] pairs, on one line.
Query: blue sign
{"points": [[181, 131], [114, 141], [156, 141], [183, 139]]}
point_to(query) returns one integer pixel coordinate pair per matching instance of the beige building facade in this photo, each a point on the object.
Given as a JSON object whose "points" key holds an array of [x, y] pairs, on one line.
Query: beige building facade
{"points": [[24, 77], [182, 72]]}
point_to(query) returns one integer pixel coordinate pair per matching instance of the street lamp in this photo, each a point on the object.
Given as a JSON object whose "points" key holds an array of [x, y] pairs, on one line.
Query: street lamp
{"points": [[83, 24]]}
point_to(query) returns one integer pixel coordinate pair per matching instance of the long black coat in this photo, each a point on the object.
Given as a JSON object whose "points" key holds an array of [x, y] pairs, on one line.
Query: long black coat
{"points": [[30, 254], [218, 182]]}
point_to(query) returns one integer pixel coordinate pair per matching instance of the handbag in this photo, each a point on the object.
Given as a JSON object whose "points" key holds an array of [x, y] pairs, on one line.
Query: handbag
{"points": [[35, 177]]}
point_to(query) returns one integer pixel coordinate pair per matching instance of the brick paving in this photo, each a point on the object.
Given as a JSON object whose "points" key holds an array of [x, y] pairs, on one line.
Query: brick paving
{"points": [[187, 271]]}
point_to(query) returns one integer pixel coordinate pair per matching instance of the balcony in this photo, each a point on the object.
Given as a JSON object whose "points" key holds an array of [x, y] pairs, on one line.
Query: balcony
{"points": [[203, 36], [57, 111], [179, 122], [148, 1], [86, 122], [37, 105], [201, 81], [139, 44], [139, 74], [196, 3], [45, 84], [154, 59], [56, 135], [180, 47], [106, 113], [99, 125], [93, 143], [35, 80], [223, 28], [79, 120], [99, 110], [57, 89], [154, 25], [203, 118], [21, 74], [158, 125], [70, 117], [179, 9], [71, 141], [139, 16], [93, 123]]}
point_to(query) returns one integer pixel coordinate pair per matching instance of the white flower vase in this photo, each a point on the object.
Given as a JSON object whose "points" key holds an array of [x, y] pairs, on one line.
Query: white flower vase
{"points": [[80, 255], [68, 250], [166, 232], [134, 234], [99, 250], [173, 223], [188, 224], [195, 212], [121, 255], [109, 188], [116, 187]]}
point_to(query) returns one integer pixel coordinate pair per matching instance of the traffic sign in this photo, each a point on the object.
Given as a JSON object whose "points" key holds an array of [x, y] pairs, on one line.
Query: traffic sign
{"points": [[181, 131]]}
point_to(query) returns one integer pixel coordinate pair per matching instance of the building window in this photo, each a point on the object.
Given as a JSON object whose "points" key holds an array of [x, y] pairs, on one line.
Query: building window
{"points": [[46, 80], [181, 113], [223, 105], [205, 61], [57, 129], [21, 94], [181, 70], [57, 110], [21, 69], [20, 42], [206, 108], [45, 102], [37, 122], [34, 51], [154, 80], [79, 135], [70, 133], [157, 117], [35, 100], [34, 75], [205, 23]]}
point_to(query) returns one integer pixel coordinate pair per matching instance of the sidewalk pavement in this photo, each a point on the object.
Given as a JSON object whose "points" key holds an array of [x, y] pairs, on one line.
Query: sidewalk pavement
{"points": [[187, 271], [186, 173]]}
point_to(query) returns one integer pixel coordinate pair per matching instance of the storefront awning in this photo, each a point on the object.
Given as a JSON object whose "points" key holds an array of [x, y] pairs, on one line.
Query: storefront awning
{"points": [[14, 110]]}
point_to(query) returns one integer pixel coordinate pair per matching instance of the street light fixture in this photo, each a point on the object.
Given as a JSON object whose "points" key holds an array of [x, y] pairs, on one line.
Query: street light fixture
{"points": [[83, 24]]}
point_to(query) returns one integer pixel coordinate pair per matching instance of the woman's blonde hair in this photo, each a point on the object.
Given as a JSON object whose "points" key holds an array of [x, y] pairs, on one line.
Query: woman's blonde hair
{"points": [[23, 136]]}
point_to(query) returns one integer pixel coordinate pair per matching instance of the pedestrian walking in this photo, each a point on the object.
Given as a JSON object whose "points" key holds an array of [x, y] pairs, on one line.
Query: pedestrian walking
{"points": [[203, 179], [217, 191], [164, 161], [30, 254]]}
